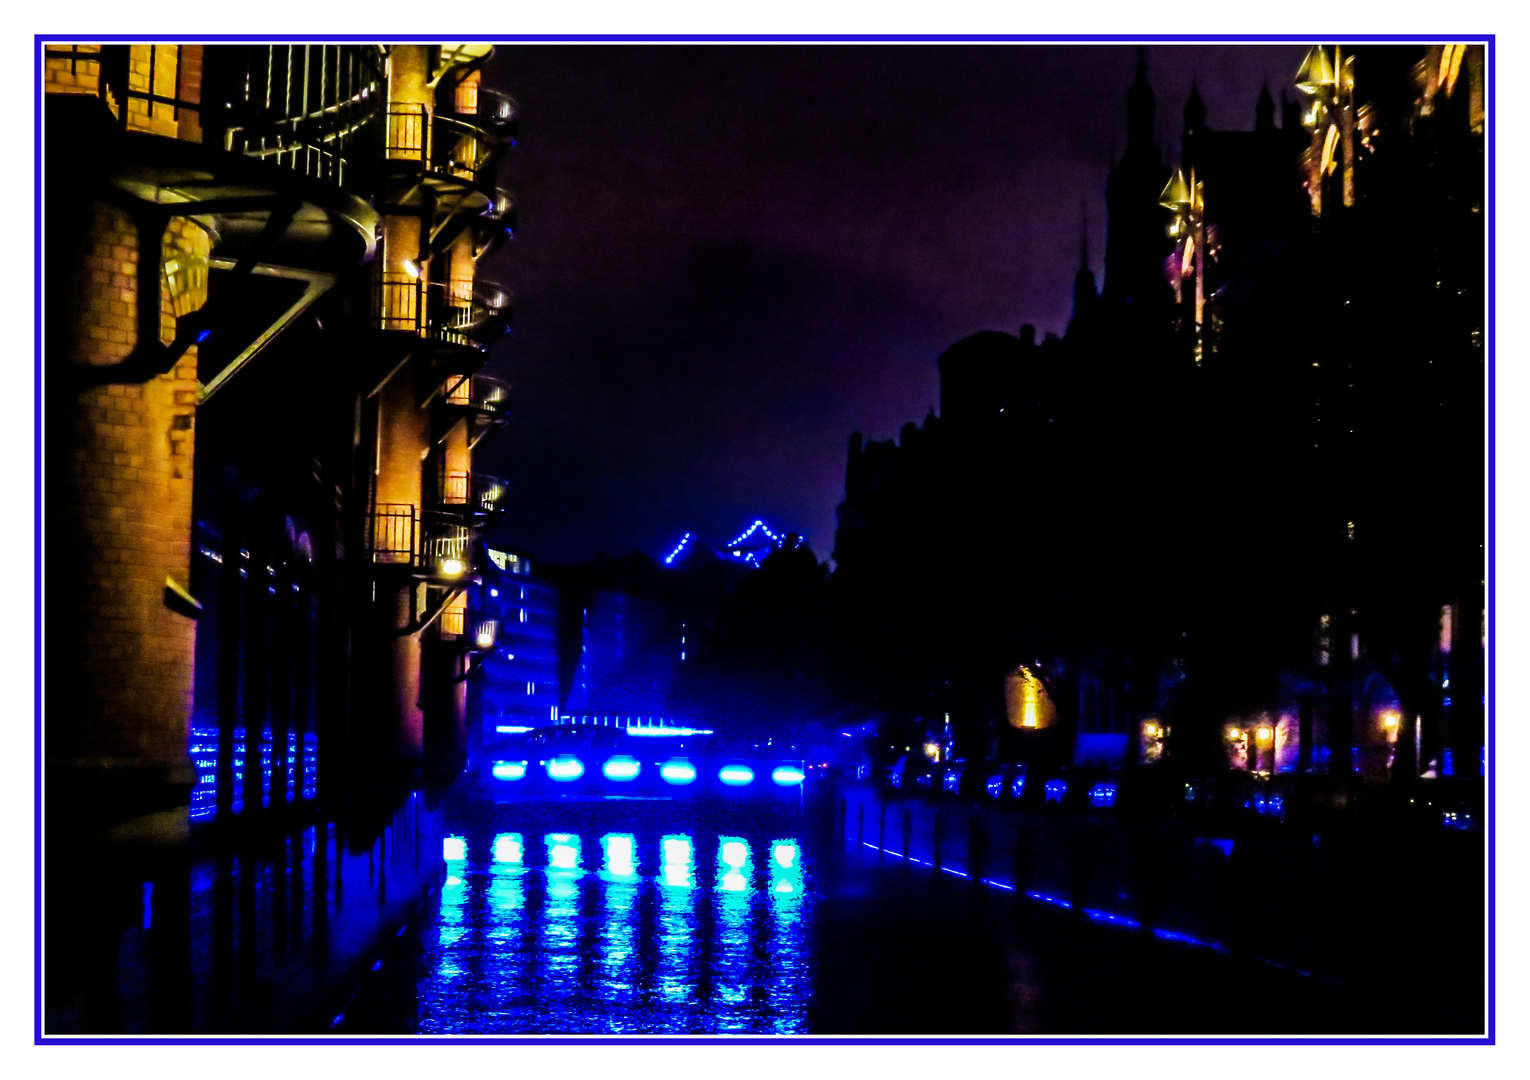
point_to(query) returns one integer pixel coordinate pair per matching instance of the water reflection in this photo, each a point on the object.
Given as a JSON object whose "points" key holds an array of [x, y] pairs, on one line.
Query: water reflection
{"points": [[619, 932]]}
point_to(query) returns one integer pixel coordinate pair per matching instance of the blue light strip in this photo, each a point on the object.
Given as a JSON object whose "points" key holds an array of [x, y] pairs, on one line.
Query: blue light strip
{"points": [[1094, 914], [686, 539]]}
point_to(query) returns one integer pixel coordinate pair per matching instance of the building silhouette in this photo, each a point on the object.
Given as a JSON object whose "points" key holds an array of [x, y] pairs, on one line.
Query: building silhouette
{"points": [[1234, 514]]}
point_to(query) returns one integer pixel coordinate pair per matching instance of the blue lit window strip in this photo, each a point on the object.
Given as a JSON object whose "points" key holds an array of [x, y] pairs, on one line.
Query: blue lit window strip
{"points": [[202, 748]]}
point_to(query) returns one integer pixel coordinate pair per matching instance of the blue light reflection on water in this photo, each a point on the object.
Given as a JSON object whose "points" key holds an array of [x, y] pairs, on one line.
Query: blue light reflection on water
{"points": [[617, 932]]}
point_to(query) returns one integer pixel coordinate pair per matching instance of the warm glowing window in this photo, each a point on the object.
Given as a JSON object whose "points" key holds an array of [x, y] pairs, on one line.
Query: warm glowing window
{"points": [[1026, 701]]}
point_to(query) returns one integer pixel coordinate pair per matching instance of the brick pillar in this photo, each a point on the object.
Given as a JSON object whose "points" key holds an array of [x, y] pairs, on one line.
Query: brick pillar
{"points": [[403, 438], [118, 501]]}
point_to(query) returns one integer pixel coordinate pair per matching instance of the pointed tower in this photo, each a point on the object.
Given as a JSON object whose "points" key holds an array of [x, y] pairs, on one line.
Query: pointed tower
{"points": [[1264, 112], [1135, 242], [1085, 298], [1194, 128]]}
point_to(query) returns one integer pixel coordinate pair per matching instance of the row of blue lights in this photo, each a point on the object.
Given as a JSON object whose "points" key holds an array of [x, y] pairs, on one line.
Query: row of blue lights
{"points": [[686, 539], [731, 550], [747, 533], [566, 768]]}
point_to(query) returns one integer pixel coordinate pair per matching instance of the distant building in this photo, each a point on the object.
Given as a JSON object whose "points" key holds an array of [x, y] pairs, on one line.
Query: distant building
{"points": [[513, 618]]}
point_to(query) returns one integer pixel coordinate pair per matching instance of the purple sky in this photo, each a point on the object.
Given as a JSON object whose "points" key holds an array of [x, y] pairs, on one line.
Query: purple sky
{"points": [[731, 257]]}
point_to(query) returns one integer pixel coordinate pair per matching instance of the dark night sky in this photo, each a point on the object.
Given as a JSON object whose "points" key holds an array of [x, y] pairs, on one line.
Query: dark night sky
{"points": [[731, 257]]}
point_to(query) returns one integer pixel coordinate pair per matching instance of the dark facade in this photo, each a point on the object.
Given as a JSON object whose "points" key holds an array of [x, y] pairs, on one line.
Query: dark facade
{"points": [[1242, 494]]}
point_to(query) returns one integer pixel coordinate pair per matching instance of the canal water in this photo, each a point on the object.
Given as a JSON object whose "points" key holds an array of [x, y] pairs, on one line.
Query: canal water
{"points": [[614, 920], [633, 917]]}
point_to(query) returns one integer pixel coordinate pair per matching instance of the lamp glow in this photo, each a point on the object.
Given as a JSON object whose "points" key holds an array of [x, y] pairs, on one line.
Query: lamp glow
{"points": [[736, 775], [509, 770], [622, 767], [677, 771]]}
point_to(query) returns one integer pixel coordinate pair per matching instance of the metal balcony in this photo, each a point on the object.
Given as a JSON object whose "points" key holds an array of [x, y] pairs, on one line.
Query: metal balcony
{"points": [[489, 493], [449, 148], [463, 313], [475, 102], [446, 553], [463, 496], [392, 534], [495, 225], [481, 393]]}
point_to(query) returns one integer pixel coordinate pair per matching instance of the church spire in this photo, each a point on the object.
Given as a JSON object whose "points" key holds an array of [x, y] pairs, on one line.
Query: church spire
{"points": [[1141, 129], [1084, 294], [1195, 110], [1264, 110]]}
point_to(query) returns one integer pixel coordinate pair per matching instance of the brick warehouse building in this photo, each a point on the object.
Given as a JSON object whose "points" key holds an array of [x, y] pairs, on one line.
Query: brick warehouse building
{"points": [[259, 508]]}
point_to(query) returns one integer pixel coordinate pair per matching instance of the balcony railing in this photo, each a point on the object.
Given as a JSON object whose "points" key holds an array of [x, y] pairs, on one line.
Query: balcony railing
{"points": [[454, 488], [481, 392], [472, 99], [456, 312], [488, 493], [392, 531], [441, 144], [447, 550], [481, 630], [311, 109]]}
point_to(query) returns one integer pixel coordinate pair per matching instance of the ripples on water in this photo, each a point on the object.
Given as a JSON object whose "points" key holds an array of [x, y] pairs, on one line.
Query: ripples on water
{"points": [[620, 933]]}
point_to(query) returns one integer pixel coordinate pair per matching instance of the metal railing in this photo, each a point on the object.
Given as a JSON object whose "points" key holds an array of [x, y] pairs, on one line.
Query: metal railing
{"points": [[451, 488], [488, 493], [482, 630], [392, 532], [446, 544], [477, 100], [456, 312], [441, 144], [399, 301], [482, 392], [308, 108]]}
